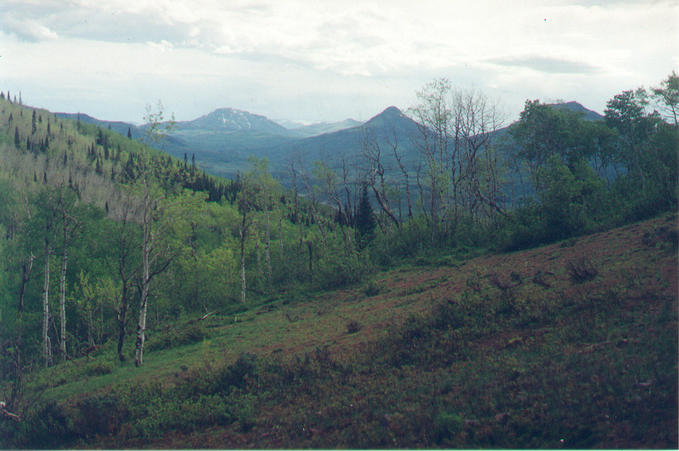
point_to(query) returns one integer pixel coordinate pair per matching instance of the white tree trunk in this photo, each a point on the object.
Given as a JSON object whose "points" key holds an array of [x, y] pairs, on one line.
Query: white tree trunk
{"points": [[243, 286], [46, 348], [147, 244], [267, 252], [62, 301], [280, 234]]}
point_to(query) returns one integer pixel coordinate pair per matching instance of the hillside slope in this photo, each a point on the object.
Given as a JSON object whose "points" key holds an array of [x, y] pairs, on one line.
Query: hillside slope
{"points": [[568, 345]]}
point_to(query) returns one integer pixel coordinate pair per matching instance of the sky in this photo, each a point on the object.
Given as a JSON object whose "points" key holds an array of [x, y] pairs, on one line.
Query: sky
{"points": [[312, 61]]}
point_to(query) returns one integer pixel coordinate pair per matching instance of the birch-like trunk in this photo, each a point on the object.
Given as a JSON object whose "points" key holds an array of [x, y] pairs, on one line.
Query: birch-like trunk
{"points": [[26, 268], [243, 286], [62, 300], [267, 249], [46, 347], [90, 328], [122, 320], [280, 234], [147, 244]]}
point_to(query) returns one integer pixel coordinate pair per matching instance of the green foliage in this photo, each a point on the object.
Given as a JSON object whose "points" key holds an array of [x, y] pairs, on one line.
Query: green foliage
{"points": [[97, 369], [585, 176], [176, 336]]}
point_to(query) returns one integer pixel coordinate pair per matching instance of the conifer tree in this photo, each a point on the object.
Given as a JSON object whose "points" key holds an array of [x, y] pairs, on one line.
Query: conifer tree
{"points": [[365, 219]]}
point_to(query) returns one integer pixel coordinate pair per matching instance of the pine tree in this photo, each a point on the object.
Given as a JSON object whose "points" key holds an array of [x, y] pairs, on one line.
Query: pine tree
{"points": [[129, 133], [365, 219]]}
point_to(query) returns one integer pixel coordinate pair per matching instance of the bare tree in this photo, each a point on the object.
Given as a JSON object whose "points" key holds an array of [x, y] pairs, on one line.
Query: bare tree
{"points": [[457, 129], [372, 152]]}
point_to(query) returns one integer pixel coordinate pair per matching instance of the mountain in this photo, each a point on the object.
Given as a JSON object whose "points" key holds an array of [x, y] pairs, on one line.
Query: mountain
{"points": [[389, 126], [136, 132], [223, 140], [116, 126], [225, 120], [324, 127], [578, 108]]}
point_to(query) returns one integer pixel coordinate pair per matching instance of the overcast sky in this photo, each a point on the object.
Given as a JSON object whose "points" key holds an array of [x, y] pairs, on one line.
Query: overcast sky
{"points": [[326, 60]]}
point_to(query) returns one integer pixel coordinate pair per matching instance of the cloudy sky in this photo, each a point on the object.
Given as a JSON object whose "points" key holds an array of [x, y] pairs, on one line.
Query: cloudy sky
{"points": [[326, 60]]}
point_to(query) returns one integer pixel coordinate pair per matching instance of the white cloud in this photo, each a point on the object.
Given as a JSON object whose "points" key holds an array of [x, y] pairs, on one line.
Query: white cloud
{"points": [[325, 58], [28, 29]]}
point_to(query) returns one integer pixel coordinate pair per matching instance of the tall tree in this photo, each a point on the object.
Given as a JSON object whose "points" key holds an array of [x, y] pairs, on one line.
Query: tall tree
{"points": [[667, 97], [365, 219], [69, 222]]}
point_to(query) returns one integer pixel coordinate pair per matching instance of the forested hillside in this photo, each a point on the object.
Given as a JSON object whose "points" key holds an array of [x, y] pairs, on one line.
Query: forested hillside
{"points": [[112, 250]]}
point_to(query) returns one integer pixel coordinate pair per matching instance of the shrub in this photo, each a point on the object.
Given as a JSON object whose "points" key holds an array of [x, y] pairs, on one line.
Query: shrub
{"points": [[371, 289], [97, 369], [191, 333], [353, 327], [99, 415], [236, 374], [447, 425], [581, 270]]}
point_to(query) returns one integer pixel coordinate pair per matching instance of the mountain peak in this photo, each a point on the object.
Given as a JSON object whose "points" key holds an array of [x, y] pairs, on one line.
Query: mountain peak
{"points": [[578, 108], [391, 111], [232, 120], [390, 116]]}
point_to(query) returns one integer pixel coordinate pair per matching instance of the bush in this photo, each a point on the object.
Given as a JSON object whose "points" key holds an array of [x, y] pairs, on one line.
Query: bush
{"points": [[97, 369], [581, 270], [236, 374], [49, 426], [191, 333], [371, 289], [447, 425], [353, 327], [100, 415]]}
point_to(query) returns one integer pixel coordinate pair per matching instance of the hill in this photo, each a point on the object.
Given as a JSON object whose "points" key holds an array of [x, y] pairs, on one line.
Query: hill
{"points": [[569, 345], [321, 128], [576, 107]]}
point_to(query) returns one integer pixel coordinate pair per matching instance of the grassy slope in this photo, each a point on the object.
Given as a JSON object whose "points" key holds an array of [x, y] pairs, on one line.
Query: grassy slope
{"points": [[505, 350]]}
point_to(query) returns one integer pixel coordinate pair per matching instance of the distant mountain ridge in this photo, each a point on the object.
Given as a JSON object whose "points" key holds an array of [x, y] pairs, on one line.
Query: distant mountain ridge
{"points": [[117, 126], [224, 139], [321, 128]]}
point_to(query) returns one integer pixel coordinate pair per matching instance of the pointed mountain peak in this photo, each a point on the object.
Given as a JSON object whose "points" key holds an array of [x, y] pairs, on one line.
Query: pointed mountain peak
{"points": [[578, 108], [391, 115], [391, 111]]}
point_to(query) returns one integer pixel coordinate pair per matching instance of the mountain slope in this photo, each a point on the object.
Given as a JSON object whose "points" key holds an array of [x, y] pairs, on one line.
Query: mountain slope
{"points": [[224, 120], [512, 350], [321, 128], [385, 128], [578, 108]]}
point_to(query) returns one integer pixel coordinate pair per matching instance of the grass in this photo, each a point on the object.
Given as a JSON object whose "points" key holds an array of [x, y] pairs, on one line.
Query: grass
{"points": [[563, 346]]}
